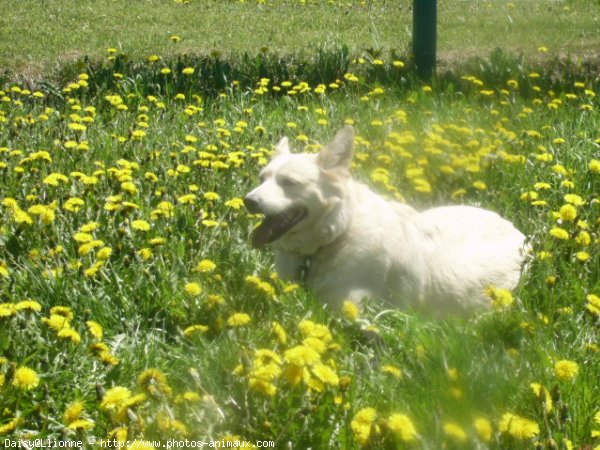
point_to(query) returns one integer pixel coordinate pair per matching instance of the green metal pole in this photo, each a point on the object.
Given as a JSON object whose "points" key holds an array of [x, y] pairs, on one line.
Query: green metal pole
{"points": [[424, 36]]}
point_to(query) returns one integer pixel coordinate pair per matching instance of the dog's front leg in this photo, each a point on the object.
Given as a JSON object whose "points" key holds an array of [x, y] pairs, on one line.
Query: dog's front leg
{"points": [[288, 264]]}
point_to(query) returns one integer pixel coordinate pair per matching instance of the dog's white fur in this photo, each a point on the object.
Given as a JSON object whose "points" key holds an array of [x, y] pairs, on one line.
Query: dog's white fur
{"points": [[360, 245]]}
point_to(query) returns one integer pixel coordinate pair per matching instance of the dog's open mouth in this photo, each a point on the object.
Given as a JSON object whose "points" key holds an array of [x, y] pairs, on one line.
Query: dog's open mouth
{"points": [[273, 227]]}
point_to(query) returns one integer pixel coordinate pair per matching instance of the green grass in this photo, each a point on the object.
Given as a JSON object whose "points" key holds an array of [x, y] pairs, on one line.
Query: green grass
{"points": [[487, 132], [40, 37]]}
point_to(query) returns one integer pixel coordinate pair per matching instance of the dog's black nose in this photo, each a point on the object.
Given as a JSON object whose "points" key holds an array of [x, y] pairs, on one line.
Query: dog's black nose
{"points": [[251, 205]]}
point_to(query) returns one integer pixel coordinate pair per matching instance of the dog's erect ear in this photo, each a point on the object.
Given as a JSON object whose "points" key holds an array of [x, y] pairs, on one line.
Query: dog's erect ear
{"points": [[282, 148], [338, 153]]}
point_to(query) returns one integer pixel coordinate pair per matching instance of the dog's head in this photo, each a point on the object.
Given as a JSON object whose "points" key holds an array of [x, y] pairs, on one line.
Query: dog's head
{"points": [[301, 196]]}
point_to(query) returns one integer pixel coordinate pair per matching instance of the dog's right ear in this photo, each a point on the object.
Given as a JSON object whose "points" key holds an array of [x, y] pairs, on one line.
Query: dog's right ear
{"points": [[282, 148], [338, 153]]}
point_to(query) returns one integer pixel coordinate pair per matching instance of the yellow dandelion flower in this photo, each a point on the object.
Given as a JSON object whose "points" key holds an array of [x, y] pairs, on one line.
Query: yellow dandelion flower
{"points": [[192, 288], [64, 311], [21, 216], [583, 256], [568, 212], [188, 199], [4, 272], [583, 238], [593, 304], [350, 311], [362, 423], [483, 428], [518, 427], [82, 237], [566, 369], [74, 411], [154, 382], [30, 305], [530, 196], [140, 225], [392, 370], [263, 386], [70, 334], [108, 358], [145, 253], [279, 332], [209, 223], [10, 426], [309, 328], [455, 432], [301, 356], [73, 204], [325, 374], [195, 329], [115, 398], [574, 199], [559, 233], [402, 427], [129, 187], [212, 196], [190, 396], [158, 241], [95, 329], [293, 374], [264, 356], [57, 322], [238, 320], [88, 228], [25, 378], [206, 265], [501, 298], [266, 372], [104, 253], [544, 255], [214, 300], [316, 344], [138, 134], [235, 203], [81, 424], [543, 395], [7, 310]]}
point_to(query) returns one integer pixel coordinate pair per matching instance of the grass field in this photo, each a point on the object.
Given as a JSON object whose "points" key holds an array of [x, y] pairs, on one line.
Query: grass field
{"points": [[131, 304], [59, 32]]}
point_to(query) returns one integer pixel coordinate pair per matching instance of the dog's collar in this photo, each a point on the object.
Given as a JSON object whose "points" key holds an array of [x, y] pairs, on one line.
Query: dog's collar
{"points": [[304, 268]]}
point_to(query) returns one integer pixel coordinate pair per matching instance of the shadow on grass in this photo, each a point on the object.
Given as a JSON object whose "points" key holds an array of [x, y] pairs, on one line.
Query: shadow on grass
{"points": [[214, 74]]}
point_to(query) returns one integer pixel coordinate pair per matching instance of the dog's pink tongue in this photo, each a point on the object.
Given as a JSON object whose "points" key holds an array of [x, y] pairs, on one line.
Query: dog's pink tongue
{"points": [[262, 234]]}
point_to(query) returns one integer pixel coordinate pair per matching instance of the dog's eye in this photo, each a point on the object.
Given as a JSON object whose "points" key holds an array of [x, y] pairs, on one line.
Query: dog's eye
{"points": [[287, 182]]}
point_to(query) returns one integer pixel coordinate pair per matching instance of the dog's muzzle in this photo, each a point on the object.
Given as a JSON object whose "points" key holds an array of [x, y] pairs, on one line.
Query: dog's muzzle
{"points": [[251, 205]]}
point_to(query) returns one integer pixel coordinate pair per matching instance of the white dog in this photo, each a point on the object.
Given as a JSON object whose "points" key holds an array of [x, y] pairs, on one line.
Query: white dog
{"points": [[348, 243]]}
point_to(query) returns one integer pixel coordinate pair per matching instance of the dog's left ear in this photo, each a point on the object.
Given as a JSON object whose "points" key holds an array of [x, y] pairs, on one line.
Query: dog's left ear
{"points": [[282, 148], [338, 153]]}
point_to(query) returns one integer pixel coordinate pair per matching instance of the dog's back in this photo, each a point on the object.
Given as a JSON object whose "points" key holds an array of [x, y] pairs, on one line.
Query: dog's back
{"points": [[473, 249], [440, 261]]}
